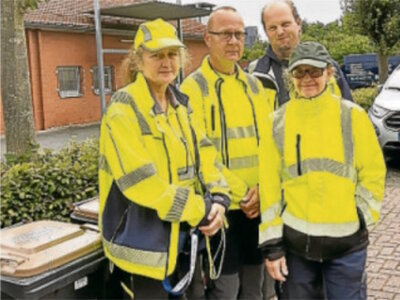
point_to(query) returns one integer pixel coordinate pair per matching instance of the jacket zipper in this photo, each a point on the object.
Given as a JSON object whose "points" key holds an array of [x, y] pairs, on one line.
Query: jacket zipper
{"points": [[168, 158], [298, 140], [224, 142], [212, 118], [184, 141]]}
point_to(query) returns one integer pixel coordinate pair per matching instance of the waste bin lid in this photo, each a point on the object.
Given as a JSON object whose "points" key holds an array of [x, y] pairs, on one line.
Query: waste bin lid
{"points": [[87, 209], [37, 247]]}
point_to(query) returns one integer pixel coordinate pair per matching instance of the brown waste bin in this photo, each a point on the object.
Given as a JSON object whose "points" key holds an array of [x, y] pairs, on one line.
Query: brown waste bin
{"points": [[52, 260], [86, 211]]}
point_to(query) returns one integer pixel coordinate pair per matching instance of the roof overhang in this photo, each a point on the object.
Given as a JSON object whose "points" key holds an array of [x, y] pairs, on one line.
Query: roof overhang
{"points": [[155, 9]]}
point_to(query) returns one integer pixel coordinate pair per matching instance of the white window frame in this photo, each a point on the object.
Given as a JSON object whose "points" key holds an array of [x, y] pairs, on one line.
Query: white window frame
{"points": [[108, 80], [69, 87]]}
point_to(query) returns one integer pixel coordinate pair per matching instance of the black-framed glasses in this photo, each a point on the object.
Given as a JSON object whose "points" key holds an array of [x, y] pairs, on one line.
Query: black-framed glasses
{"points": [[227, 35], [313, 72]]}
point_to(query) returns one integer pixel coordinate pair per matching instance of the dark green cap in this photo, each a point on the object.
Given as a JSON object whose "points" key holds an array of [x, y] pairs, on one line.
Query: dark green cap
{"points": [[309, 53]]}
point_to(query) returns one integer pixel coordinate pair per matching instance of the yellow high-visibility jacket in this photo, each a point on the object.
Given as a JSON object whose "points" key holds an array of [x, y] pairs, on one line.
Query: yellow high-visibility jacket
{"points": [[321, 179], [229, 109], [148, 174]]}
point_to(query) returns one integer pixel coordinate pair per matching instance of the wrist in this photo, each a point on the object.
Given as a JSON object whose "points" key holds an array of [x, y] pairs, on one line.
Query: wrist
{"points": [[222, 200]]}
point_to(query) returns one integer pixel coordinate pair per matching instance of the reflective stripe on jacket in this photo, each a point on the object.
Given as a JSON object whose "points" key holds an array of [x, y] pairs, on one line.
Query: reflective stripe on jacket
{"points": [[230, 109], [324, 163], [147, 179]]}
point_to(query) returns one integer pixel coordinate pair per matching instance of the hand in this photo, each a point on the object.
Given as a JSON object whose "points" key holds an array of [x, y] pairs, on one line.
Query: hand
{"points": [[250, 205], [216, 218], [277, 268]]}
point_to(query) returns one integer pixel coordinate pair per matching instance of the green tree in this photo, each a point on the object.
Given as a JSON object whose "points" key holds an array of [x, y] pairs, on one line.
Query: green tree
{"points": [[255, 51], [380, 21], [15, 83], [338, 42]]}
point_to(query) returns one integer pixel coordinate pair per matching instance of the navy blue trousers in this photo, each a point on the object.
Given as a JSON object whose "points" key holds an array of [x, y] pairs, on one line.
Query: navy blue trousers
{"points": [[339, 278]]}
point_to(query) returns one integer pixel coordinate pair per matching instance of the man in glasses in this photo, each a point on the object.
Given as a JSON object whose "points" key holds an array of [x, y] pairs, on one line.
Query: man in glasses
{"points": [[229, 105], [282, 25]]}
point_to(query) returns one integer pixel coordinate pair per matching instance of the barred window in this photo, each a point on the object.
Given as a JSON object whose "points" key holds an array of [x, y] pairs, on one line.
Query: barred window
{"points": [[108, 79], [69, 81]]}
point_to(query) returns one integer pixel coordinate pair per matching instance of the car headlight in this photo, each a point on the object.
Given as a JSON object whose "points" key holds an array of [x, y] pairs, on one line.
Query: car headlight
{"points": [[379, 111]]}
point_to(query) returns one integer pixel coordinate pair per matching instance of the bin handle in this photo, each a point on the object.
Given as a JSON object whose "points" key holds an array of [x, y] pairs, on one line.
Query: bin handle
{"points": [[10, 263], [91, 227]]}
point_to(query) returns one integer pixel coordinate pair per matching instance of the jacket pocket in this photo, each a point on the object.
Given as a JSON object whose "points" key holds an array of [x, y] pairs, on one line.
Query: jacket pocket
{"points": [[129, 224]]}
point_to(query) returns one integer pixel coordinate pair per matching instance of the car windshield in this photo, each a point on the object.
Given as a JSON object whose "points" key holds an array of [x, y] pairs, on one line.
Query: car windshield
{"points": [[393, 81]]}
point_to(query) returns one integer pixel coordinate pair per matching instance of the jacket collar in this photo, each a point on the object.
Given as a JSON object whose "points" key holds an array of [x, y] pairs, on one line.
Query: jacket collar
{"points": [[212, 76], [144, 98]]}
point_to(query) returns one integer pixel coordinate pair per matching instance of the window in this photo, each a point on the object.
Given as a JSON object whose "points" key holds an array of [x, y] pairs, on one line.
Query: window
{"points": [[108, 79], [69, 81]]}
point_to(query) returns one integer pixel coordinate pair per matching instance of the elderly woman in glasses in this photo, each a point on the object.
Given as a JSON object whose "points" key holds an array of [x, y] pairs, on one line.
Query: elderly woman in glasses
{"points": [[321, 185], [152, 166]]}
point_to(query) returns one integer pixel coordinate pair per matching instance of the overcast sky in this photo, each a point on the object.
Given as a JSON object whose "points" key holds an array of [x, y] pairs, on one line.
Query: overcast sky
{"points": [[324, 11]]}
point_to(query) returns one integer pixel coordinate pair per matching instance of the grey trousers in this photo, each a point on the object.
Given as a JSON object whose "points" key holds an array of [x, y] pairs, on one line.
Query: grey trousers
{"points": [[246, 284], [268, 286]]}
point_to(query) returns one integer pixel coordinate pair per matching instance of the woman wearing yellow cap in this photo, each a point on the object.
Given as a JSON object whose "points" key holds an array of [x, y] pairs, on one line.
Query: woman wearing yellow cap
{"points": [[154, 172], [322, 183]]}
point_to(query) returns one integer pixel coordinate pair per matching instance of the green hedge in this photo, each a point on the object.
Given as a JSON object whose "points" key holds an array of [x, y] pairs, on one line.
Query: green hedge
{"points": [[45, 186], [365, 96]]}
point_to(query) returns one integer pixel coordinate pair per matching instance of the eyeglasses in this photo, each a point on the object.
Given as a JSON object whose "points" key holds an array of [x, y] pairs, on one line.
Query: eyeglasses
{"points": [[313, 72], [227, 35]]}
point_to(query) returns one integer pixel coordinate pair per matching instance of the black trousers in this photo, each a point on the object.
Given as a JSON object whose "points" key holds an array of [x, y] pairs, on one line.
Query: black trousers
{"points": [[140, 287], [339, 278]]}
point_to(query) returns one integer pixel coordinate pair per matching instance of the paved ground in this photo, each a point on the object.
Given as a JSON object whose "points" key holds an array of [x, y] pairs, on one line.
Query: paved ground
{"points": [[59, 137], [383, 266]]}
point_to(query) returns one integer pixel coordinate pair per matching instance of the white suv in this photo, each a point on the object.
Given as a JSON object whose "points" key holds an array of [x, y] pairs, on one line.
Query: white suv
{"points": [[385, 113]]}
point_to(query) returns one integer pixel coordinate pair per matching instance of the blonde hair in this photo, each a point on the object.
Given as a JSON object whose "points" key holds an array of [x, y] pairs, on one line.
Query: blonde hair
{"points": [[287, 79], [130, 65]]}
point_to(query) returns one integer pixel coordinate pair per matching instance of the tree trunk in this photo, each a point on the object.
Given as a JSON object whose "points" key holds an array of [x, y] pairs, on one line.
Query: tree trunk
{"points": [[15, 83], [383, 66]]}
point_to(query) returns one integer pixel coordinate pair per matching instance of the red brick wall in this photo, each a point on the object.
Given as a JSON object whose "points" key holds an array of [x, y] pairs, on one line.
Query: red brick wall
{"points": [[48, 50], [69, 49], [197, 51]]}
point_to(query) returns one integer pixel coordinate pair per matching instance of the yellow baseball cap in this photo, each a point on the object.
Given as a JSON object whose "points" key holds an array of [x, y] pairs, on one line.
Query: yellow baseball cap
{"points": [[156, 35]]}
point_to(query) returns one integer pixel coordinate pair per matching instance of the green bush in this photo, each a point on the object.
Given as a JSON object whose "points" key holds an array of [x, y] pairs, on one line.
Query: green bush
{"points": [[365, 96], [45, 187]]}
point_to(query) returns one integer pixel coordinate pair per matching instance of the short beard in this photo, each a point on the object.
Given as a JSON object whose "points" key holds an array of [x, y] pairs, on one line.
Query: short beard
{"points": [[284, 52]]}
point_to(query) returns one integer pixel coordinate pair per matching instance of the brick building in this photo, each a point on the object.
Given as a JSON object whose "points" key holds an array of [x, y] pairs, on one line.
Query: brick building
{"points": [[63, 63]]}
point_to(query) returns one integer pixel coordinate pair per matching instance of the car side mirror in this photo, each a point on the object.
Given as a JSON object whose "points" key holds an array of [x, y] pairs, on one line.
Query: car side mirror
{"points": [[380, 86]]}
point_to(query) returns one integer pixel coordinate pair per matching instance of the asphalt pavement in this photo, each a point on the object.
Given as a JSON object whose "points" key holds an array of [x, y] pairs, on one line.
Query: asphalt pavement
{"points": [[57, 138]]}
